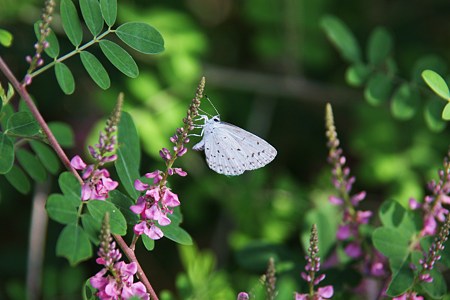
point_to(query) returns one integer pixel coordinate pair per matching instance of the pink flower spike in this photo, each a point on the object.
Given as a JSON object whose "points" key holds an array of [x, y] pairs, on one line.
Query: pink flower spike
{"points": [[429, 226], [182, 152], [153, 213], [140, 186], [326, 291], [77, 163], [170, 199]]}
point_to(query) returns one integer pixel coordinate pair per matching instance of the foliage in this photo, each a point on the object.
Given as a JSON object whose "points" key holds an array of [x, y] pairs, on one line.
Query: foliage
{"points": [[257, 58]]}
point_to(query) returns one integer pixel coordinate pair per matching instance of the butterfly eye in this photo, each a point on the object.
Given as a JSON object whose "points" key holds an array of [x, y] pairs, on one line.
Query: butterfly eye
{"points": [[216, 119]]}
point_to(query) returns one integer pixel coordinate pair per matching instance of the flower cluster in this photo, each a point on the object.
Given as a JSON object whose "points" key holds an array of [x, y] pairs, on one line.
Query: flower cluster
{"points": [[433, 255], [312, 267], [97, 183], [343, 182], [42, 43], [116, 279], [155, 204], [432, 207]]}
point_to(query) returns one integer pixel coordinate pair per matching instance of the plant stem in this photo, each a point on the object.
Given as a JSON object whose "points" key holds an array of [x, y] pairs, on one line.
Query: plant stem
{"points": [[70, 54], [140, 273], [21, 90]]}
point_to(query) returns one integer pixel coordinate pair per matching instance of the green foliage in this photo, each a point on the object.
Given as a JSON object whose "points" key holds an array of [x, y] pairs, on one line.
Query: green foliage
{"points": [[6, 38], [141, 37], [128, 154], [65, 78], [119, 58], [379, 75], [95, 69], [70, 22]]}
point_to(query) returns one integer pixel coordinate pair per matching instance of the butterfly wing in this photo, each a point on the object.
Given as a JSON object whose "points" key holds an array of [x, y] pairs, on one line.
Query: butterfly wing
{"points": [[231, 150]]}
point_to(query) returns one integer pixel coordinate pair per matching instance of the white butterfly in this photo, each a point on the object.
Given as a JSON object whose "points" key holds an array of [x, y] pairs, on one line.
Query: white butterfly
{"points": [[231, 150]]}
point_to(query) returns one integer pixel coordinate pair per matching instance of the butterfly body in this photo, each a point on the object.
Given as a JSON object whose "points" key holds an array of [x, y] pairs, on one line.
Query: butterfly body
{"points": [[231, 150]]}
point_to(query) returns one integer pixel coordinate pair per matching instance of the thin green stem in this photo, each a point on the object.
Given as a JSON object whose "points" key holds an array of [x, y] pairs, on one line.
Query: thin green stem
{"points": [[72, 53]]}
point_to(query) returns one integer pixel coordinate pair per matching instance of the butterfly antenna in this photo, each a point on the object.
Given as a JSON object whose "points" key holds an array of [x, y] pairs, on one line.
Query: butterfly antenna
{"points": [[205, 112], [210, 102]]}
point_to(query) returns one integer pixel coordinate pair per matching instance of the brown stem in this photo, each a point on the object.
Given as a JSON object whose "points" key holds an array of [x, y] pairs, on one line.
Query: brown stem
{"points": [[140, 273], [26, 97]]}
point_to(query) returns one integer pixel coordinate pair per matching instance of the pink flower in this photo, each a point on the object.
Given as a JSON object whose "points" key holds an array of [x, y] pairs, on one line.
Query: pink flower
{"points": [[243, 296], [335, 200], [353, 250], [156, 175], [343, 232], [170, 199], [325, 292], [97, 184], [77, 163]]}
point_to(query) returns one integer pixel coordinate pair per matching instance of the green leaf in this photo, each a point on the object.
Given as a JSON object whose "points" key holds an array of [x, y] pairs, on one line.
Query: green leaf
{"points": [[65, 78], [378, 89], [128, 154], [88, 292], [433, 62], [176, 234], [432, 114], [95, 69], [405, 102], [17, 178], [71, 188], [119, 58], [123, 202], [63, 133], [109, 11], [141, 37], [71, 22], [393, 215], [391, 242], [437, 288], [148, 242], [343, 39], [22, 124], [90, 9], [47, 156], [6, 38], [53, 45], [61, 209], [402, 280], [31, 165], [6, 154], [92, 227], [446, 112], [379, 46], [98, 208], [357, 74], [436, 83], [73, 244]]}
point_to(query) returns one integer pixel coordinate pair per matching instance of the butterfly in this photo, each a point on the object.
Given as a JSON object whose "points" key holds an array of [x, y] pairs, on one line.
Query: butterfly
{"points": [[231, 150]]}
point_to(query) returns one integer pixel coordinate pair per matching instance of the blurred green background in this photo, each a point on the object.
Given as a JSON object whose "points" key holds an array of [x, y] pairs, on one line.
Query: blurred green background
{"points": [[269, 68]]}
